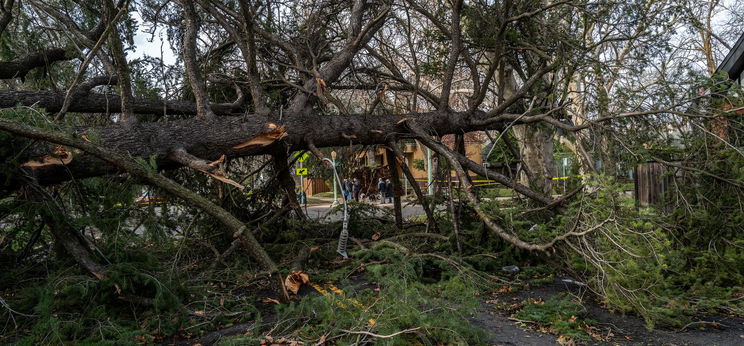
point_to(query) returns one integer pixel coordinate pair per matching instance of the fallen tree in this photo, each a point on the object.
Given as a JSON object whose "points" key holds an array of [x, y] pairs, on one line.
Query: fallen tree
{"points": [[250, 135]]}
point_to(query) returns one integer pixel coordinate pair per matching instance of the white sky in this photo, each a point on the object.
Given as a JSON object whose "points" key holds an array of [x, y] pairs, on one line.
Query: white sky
{"points": [[143, 47]]}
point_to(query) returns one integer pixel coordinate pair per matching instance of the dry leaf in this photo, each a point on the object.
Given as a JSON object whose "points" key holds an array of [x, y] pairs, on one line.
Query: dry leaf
{"points": [[314, 248], [565, 341], [270, 300], [274, 134], [376, 131], [200, 313], [376, 236], [85, 138], [295, 280], [61, 157]]}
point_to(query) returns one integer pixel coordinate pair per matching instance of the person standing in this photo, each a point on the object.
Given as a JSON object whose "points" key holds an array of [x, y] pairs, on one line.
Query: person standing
{"points": [[349, 187], [381, 188], [356, 187], [389, 190], [344, 191]]}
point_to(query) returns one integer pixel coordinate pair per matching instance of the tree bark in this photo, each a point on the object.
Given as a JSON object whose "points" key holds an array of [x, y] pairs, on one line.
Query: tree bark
{"points": [[284, 177], [536, 150], [64, 234], [416, 188], [397, 208], [52, 101], [6, 14], [198, 86], [119, 58], [19, 68], [209, 138]]}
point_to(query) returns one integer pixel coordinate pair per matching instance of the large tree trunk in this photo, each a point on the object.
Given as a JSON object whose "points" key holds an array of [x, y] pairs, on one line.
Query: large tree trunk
{"points": [[535, 146], [19, 68], [209, 138], [397, 208], [536, 150], [52, 101]]}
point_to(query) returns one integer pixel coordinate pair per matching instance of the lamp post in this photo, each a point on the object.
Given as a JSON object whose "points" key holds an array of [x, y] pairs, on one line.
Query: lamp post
{"points": [[429, 173], [343, 238], [335, 189]]}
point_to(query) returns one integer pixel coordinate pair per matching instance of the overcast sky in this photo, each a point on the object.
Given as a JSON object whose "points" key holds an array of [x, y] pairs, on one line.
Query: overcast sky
{"points": [[144, 47]]}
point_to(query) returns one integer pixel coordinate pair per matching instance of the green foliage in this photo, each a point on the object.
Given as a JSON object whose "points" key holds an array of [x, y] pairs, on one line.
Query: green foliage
{"points": [[414, 292], [419, 164], [560, 314], [72, 307], [655, 264]]}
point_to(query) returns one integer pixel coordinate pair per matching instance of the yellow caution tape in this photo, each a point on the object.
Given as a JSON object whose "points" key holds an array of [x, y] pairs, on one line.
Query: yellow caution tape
{"points": [[494, 182]]}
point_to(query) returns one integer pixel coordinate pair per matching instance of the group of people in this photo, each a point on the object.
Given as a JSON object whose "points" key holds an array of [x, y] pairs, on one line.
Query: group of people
{"points": [[352, 189]]}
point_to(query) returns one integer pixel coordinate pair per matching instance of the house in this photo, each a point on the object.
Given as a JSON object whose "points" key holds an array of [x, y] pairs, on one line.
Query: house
{"points": [[416, 155], [733, 64], [733, 67]]}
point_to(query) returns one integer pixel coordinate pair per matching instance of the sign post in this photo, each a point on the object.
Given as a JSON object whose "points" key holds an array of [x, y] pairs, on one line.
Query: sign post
{"points": [[302, 172]]}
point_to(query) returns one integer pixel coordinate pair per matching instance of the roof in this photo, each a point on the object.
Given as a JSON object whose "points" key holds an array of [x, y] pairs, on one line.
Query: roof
{"points": [[733, 63]]}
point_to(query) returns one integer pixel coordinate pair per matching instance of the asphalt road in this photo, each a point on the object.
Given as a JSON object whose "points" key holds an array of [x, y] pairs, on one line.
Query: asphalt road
{"points": [[320, 211]]}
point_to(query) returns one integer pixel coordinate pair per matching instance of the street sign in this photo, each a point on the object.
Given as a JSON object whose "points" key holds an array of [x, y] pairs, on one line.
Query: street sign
{"points": [[301, 171], [301, 158]]}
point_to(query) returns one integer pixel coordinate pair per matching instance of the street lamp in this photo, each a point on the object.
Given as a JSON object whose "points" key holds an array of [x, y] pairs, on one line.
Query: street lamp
{"points": [[335, 190], [343, 238]]}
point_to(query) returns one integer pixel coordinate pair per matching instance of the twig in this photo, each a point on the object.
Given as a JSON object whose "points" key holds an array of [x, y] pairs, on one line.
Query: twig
{"points": [[522, 321], [713, 323], [410, 330]]}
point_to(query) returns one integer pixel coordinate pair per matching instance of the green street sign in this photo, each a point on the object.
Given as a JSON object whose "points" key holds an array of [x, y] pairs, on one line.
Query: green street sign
{"points": [[301, 171], [301, 158]]}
